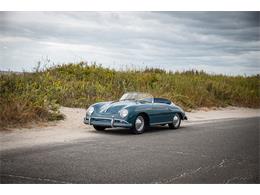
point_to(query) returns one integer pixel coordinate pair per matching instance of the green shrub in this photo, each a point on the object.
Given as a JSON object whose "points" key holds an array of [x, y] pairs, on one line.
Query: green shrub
{"points": [[36, 96]]}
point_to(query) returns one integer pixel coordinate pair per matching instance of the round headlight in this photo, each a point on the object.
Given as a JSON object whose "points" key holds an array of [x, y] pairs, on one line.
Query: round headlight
{"points": [[90, 110], [123, 113]]}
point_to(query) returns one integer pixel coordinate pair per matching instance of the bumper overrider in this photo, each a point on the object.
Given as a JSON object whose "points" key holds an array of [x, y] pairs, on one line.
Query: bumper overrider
{"points": [[106, 121]]}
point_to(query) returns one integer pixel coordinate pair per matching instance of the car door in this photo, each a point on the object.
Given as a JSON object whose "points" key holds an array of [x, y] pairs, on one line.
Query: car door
{"points": [[160, 113]]}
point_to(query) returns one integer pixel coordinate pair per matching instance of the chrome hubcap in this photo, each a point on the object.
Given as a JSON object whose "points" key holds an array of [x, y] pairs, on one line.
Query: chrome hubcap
{"points": [[176, 120], [139, 123]]}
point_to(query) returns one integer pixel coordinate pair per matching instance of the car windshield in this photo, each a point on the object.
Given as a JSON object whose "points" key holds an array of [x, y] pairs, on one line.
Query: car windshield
{"points": [[146, 97]]}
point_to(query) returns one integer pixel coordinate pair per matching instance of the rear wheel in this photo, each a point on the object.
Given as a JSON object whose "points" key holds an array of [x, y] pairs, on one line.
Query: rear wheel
{"points": [[176, 122], [140, 124], [99, 128]]}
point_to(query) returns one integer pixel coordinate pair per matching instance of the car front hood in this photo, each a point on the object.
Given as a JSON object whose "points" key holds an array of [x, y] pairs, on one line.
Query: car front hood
{"points": [[115, 107]]}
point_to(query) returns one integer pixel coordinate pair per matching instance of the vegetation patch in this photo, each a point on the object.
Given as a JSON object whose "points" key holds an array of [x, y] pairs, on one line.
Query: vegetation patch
{"points": [[36, 96]]}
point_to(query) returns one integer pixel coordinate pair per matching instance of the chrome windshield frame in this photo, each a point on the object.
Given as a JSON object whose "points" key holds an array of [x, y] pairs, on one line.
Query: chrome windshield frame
{"points": [[137, 96]]}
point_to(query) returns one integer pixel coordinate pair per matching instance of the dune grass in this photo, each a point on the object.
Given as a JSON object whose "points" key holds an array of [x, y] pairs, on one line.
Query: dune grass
{"points": [[37, 96]]}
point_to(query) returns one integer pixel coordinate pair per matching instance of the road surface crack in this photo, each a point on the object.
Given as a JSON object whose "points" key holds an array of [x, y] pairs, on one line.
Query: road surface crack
{"points": [[237, 178], [35, 178], [221, 164], [182, 175]]}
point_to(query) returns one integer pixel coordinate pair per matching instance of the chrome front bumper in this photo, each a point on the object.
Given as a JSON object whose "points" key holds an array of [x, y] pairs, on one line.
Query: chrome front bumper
{"points": [[107, 122]]}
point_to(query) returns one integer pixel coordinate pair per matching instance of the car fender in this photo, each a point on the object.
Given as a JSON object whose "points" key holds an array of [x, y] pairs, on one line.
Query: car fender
{"points": [[135, 110]]}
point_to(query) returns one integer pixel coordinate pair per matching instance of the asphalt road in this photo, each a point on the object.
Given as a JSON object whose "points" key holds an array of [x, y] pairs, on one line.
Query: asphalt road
{"points": [[216, 152]]}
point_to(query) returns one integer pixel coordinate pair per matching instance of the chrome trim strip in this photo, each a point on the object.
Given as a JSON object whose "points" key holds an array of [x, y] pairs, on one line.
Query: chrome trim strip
{"points": [[161, 123]]}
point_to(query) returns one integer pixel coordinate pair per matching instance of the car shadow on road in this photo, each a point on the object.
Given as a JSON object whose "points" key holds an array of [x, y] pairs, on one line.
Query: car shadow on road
{"points": [[124, 131]]}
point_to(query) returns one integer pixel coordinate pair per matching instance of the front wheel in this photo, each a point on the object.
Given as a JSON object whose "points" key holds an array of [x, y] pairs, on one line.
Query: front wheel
{"points": [[176, 122], [140, 124], [99, 128]]}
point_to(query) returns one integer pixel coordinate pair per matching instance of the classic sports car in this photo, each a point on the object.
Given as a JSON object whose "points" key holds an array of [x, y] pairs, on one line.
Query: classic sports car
{"points": [[136, 111]]}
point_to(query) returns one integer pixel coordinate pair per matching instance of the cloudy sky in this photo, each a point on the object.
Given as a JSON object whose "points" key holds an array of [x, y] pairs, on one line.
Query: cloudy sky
{"points": [[217, 42]]}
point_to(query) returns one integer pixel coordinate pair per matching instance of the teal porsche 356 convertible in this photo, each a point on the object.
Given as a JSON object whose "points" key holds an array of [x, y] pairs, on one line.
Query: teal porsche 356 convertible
{"points": [[136, 111]]}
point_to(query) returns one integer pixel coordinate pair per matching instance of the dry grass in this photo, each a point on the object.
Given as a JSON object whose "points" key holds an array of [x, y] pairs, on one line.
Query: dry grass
{"points": [[36, 96]]}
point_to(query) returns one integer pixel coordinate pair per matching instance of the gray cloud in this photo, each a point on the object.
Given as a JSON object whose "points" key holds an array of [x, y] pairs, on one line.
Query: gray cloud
{"points": [[218, 42]]}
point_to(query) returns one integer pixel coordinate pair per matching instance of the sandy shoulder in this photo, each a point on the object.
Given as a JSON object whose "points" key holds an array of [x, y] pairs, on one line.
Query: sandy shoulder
{"points": [[72, 128], [222, 113]]}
